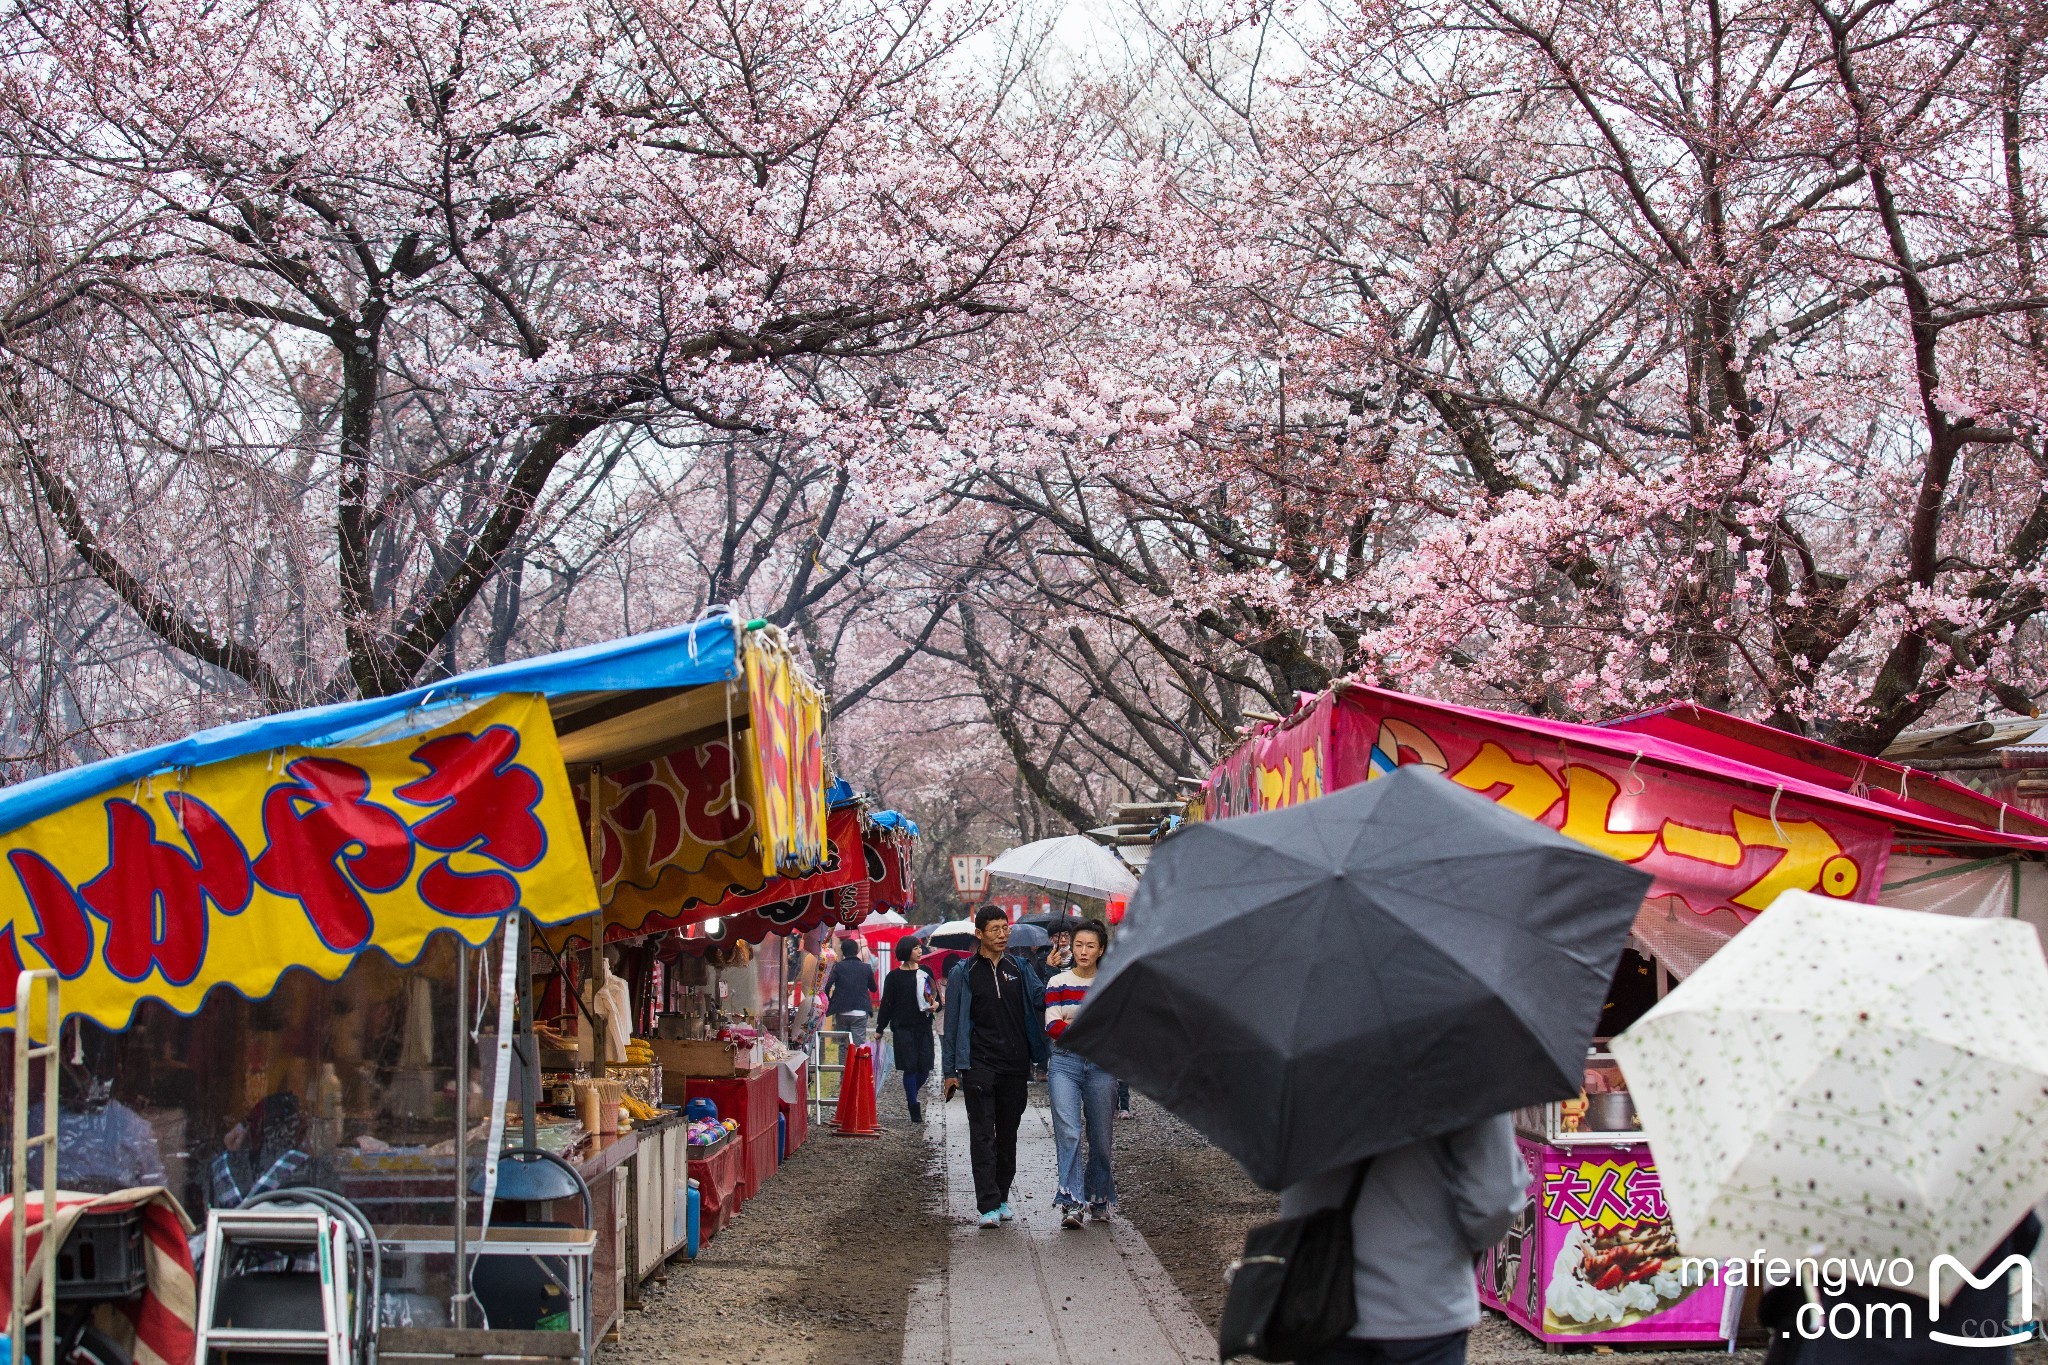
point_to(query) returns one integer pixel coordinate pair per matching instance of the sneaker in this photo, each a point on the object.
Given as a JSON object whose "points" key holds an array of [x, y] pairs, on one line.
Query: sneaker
{"points": [[1099, 1213], [1071, 1218], [1125, 1114], [1007, 1214], [992, 1219]]}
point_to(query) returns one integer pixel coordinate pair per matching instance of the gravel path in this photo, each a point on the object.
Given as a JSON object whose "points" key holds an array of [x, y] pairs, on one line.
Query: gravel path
{"points": [[1190, 1200], [818, 1268]]}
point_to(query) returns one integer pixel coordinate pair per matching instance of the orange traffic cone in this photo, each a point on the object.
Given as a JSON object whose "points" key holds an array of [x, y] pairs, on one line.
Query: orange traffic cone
{"points": [[856, 1116]]}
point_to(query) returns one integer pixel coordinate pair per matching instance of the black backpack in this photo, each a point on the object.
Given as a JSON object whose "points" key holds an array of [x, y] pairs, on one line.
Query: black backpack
{"points": [[1291, 1292]]}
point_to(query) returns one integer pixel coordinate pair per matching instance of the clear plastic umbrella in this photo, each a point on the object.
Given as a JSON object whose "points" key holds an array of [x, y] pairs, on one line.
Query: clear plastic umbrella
{"points": [[1072, 863]]}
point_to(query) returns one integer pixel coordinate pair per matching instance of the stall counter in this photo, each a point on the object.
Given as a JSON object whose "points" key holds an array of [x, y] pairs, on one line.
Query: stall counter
{"points": [[658, 1173], [753, 1099], [601, 1159], [719, 1193], [1592, 1260]]}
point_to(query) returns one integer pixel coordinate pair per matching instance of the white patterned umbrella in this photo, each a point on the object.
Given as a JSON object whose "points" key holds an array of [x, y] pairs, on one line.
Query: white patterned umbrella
{"points": [[1850, 1080]]}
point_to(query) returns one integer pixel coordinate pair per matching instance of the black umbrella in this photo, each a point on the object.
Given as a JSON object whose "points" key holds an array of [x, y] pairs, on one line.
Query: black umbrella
{"points": [[1399, 959], [1025, 937], [1054, 921]]}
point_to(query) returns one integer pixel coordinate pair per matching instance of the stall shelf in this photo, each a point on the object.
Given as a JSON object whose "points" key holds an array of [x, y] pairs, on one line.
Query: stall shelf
{"points": [[573, 1246]]}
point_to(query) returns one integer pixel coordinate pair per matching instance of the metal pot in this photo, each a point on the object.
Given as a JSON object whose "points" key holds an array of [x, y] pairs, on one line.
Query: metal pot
{"points": [[1612, 1112]]}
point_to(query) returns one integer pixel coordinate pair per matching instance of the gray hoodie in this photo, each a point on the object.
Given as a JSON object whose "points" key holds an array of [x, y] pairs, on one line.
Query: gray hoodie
{"points": [[1426, 1210]]}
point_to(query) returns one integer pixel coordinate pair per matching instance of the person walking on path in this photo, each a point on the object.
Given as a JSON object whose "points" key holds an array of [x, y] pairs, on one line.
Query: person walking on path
{"points": [[907, 1005], [1083, 1095], [850, 992], [1424, 1211], [994, 1035]]}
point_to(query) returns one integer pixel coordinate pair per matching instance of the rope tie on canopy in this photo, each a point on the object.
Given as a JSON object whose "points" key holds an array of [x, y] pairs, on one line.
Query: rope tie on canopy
{"points": [[419, 707]]}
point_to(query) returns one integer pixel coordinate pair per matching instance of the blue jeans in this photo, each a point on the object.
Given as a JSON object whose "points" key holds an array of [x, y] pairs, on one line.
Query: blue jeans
{"points": [[1083, 1106]]}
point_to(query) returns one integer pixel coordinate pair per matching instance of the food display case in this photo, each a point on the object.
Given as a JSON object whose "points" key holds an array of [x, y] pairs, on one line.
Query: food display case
{"points": [[1593, 1260]]}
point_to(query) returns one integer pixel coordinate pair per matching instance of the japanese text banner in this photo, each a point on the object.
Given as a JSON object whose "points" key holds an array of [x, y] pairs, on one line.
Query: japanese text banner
{"points": [[232, 873], [1281, 767], [676, 832], [1720, 848]]}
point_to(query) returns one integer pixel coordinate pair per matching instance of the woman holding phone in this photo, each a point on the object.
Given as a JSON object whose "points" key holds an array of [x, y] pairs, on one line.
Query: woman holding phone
{"points": [[1083, 1095]]}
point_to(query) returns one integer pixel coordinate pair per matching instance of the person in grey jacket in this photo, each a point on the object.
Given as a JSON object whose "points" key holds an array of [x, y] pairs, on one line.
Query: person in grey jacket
{"points": [[1425, 1212]]}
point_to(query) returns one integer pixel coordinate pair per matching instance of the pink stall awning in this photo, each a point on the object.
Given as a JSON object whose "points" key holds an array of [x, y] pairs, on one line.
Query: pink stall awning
{"points": [[1725, 815], [1655, 737]]}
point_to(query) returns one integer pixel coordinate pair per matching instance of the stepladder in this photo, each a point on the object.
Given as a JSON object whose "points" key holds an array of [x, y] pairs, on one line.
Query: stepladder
{"points": [[34, 1307], [293, 1311]]}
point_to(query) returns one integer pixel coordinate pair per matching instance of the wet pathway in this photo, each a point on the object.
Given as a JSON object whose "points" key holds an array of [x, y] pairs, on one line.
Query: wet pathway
{"points": [[1032, 1293]]}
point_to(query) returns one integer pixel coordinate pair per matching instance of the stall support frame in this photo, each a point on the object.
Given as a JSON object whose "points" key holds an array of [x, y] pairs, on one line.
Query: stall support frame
{"points": [[27, 1052], [818, 1068]]}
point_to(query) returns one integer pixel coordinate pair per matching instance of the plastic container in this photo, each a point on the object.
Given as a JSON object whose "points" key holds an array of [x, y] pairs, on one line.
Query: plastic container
{"points": [[781, 1138], [610, 1095], [1612, 1112], [696, 1221], [103, 1257], [700, 1108]]}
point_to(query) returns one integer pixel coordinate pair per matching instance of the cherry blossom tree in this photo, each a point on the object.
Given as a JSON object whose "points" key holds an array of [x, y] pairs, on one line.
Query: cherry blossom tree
{"points": [[421, 291], [1569, 356], [1669, 352]]}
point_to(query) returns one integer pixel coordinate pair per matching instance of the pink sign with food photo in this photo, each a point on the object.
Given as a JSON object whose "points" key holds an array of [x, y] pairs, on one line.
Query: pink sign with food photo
{"points": [[1594, 1258]]}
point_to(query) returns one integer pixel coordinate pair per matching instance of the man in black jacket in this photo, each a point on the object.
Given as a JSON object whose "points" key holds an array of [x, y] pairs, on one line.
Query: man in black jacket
{"points": [[850, 992], [995, 1034]]}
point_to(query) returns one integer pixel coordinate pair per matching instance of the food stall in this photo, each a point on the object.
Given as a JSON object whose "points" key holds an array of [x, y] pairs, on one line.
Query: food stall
{"points": [[359, 879], [1725, 815], [721, 962], [1594, 1258]]}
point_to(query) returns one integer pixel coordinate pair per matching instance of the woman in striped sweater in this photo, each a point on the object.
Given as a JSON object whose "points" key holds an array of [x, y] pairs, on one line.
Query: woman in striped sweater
{"points": [[1083, 1094]]}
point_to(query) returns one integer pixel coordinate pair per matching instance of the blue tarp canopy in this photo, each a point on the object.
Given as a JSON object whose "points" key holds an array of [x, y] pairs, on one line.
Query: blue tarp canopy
{"points": [[891, 819], [618, 702], [841, 793]]}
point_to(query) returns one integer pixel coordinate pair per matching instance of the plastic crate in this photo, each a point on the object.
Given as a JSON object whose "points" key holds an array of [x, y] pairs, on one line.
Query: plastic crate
{"points": [[103, 1257]]}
